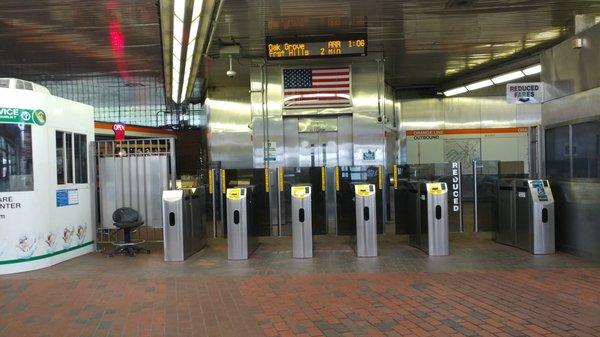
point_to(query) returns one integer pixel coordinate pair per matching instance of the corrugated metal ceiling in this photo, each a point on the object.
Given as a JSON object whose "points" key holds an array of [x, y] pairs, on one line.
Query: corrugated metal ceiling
{"points": [[425, 41]]}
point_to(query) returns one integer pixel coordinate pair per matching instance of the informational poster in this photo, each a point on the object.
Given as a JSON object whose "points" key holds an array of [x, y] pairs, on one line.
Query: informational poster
{"points": [[464, 151], [525, 93], [67, 197], [368, 155], [271, 151]]}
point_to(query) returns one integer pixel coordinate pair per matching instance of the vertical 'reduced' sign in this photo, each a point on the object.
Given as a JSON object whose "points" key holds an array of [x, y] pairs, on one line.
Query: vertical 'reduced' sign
{"points": [[456, 187]]}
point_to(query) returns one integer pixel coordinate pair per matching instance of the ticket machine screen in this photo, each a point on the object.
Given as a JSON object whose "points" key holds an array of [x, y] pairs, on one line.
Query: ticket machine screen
{"points": [[541, 191]]}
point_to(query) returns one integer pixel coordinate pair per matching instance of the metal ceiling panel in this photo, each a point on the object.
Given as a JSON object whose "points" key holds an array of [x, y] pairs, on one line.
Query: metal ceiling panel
{"points": [[426, 42], [65, 38]]}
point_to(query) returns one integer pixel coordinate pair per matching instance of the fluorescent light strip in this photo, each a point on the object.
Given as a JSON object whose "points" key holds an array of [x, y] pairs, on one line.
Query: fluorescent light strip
{"points": [[479, 85], [455, 91], [197, 9], [508, 77], [179, 8], [536, 69], [179, 14]]}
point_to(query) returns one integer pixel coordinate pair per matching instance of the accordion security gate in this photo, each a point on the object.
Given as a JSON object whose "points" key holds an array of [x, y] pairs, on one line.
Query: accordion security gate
{"points": [[133, 173]]}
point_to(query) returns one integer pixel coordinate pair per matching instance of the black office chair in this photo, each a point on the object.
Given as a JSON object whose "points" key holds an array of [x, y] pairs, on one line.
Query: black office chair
{"points": [[128, 220]]}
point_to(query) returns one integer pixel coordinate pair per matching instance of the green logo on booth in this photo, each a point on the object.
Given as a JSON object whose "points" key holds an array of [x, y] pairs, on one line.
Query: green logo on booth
{"points": [[22, 116], [39, 117]]}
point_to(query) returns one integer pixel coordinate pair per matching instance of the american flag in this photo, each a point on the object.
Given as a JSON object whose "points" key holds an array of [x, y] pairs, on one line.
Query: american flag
{"points": [[316, 87]]}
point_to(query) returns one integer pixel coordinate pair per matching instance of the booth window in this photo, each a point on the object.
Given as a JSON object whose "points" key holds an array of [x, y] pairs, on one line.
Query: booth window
{"points": [[81, 159], [71, 158], [16, 158]]}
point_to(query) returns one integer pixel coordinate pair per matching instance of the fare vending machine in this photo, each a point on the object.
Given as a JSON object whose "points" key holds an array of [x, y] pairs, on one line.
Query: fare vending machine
{"points": [[366, 220], [302, 246], [526, 215], [535, 214]]}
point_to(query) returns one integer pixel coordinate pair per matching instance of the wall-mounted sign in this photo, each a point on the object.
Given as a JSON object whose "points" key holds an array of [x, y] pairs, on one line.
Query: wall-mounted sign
{"points": [[369, 155], [22, 116], [271, 151], [316, 47], [455, 187], [119, 130], [67, 198], [525, 93]]}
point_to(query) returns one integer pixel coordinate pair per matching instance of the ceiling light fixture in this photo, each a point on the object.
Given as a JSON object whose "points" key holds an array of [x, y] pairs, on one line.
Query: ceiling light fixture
{"points": [[479, 85], [536, 69], [508, 77], [531, 70], [455, 91], [184, 26]]}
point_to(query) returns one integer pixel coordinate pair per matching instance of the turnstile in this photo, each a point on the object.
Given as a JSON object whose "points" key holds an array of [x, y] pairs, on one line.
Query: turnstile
{"points": [[346, 177], [184, 225], [437, 219], [366, 220], [302, 245], [427, 216], [315, 177], [242, 232], [526, 215]]}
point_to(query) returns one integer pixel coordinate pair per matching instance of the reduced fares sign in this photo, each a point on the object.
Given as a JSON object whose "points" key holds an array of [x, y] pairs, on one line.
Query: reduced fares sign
{"points": [[525, 93]]}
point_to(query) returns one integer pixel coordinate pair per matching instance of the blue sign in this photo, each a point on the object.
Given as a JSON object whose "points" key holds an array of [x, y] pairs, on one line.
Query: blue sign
{"points": [[67, 198]]}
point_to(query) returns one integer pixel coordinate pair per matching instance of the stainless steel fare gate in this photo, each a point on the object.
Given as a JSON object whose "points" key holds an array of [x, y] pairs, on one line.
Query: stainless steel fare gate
{"points": [[366, 220], [242, 239], [302, 245]]}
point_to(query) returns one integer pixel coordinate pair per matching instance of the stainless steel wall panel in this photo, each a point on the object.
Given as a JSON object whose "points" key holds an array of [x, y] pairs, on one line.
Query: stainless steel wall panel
{"points": [[345, 142], [567, 71], [258, 141], [290, 138], [577, 107], [465, 113], [496, 113], [462, 113], [577, 213], [529, 115], [390, 107], [422, 114], [229, 119], [275, 133], [274, 94]]}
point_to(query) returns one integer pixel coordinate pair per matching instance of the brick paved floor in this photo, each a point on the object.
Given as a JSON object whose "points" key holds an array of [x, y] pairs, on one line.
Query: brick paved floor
{"points": [[483, 289]]}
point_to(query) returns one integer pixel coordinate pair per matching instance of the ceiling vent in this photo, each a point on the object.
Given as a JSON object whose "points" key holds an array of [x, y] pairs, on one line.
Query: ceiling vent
{"points": [[461, 4]]}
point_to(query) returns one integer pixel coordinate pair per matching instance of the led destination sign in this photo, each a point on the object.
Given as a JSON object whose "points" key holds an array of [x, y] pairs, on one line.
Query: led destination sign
{"points": [[354, 45]]}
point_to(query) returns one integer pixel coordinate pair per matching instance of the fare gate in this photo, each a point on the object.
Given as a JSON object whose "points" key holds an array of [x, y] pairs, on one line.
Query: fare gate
{"points": [[242, 239], [366, 220], [526, 215], [184, 223], [302, 245]]}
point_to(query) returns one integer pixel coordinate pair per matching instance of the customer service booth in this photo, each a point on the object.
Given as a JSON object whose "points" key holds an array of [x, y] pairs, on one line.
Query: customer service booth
{"points": [[46, 213]]}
